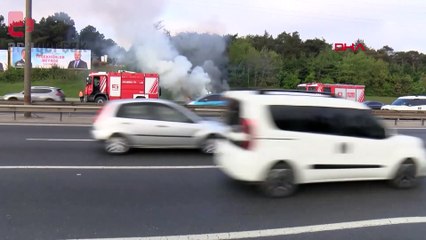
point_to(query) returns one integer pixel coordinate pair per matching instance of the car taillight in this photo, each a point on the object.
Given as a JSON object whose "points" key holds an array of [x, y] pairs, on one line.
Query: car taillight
{"points": [[101, 112], [247, 128]]}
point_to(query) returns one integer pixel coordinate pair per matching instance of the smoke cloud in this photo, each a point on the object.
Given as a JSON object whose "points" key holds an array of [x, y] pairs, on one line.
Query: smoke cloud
{"points": [[155, 52], [189, 64]]}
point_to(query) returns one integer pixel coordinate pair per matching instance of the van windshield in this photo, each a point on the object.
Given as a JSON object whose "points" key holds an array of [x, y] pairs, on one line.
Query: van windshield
{"points": [[400, 102]]}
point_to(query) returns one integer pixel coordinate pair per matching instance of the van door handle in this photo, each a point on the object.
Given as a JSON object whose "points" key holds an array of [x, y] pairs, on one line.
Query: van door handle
{"points": [[162, 126], [343, 148]]}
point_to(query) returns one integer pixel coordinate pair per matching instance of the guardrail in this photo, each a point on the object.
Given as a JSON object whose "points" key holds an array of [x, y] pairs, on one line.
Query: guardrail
{"points": [[206, 111], [49, 103], [401, 115], [48, 109], [60, 109]]}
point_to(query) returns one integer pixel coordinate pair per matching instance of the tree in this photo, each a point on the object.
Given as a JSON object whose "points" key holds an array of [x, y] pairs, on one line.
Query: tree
{"points": [[56, 31]]}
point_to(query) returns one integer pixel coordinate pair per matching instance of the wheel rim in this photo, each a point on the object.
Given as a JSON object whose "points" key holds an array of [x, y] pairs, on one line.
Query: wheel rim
{"points": [[116, 145], [209, 146], [280, 182], [100, 100]]}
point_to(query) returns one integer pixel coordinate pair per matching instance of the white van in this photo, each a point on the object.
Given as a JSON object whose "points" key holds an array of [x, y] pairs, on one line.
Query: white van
{"points": [[407, 103], [284, 138]]}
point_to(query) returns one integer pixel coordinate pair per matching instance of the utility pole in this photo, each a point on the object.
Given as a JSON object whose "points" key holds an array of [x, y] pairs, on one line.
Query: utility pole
{"points": [[27, 69]]}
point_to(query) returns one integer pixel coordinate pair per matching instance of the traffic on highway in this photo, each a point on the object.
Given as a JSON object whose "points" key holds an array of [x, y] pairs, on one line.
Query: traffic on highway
{"points": [[71, 181], [212, 120]]}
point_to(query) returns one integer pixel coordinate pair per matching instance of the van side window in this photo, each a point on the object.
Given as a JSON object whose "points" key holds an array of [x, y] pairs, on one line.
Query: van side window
{"points": [[360, 123], [303, 119], [324, 120]]}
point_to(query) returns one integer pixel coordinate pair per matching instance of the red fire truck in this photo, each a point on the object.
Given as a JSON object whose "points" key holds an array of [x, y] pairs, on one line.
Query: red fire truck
{"points": [[347, 91], [104, 86]]}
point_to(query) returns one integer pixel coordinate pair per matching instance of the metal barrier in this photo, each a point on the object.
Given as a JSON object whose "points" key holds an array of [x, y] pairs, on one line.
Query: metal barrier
{"points": [[47, 109], [401, 115], [206, 111]]}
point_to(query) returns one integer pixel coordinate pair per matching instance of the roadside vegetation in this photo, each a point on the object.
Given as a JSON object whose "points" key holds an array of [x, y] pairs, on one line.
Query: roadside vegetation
{"points": [[266, 61]]}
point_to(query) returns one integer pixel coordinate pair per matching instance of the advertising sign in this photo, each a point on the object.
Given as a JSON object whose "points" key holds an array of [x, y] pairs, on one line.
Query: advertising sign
{"points": [[3, 60], [52, 57]]}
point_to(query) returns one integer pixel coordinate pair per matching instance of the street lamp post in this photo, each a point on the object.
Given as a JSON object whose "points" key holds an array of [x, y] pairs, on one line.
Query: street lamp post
{"points": [[27, 69]]}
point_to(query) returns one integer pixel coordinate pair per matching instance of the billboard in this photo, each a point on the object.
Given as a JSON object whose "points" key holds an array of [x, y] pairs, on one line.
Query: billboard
{"points": [[3, 60], [51, 57]]}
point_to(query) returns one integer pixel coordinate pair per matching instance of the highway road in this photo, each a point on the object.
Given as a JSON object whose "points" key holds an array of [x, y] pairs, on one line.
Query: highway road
{"points": [[56, 183]]}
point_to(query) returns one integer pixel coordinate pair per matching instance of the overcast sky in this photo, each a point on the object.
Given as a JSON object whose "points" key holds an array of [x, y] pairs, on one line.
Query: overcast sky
{"points": [[396, 23]]}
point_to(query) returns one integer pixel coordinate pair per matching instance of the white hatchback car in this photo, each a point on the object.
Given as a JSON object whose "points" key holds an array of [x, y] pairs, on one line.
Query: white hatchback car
{"points": [[407, 103], [153, 123], [283, 138]]}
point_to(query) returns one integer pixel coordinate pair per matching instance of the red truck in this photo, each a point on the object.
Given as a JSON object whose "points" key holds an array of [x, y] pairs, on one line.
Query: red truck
{"points": [[104, 86], [347, 91]]}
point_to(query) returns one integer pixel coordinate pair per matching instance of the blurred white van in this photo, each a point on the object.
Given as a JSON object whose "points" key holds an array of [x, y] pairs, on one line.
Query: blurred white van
{"points": [[280, 139]]}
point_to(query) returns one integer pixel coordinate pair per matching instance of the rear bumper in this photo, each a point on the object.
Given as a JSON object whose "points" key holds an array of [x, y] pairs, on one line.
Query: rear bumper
{"points": [[238, 163], [99, 135]]}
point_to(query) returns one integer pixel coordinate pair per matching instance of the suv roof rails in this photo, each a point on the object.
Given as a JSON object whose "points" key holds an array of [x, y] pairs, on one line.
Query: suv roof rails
{"points": [[264, 91]]}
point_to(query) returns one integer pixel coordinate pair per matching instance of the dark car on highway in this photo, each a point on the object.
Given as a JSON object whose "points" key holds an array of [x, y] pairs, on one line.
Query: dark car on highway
{"points": [[374, 104]]}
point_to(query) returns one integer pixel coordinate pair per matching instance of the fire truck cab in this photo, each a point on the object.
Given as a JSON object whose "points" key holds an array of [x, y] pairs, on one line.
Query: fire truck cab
{"points": [[104, 86], [347, 91]]}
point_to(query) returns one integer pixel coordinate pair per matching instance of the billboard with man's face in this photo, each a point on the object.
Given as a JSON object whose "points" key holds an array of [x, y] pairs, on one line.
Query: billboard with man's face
{"points": [[3, 60], [51, 57]]}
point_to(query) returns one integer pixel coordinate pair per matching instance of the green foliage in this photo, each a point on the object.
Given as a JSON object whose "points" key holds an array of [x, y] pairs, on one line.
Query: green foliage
{"points": [[254, 61], [287, 60]]}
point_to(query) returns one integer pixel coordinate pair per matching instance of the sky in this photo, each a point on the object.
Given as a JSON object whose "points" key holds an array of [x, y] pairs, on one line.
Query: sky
{"points": [[396, 23]]}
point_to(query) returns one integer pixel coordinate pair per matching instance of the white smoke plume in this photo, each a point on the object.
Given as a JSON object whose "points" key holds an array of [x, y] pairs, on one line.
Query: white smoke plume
{"points": [[155, 53], [186, 63], [208, 51]]}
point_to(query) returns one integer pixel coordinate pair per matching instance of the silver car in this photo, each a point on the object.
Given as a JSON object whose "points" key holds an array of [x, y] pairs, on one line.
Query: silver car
{"points": [[39, 94], [153, 123]]}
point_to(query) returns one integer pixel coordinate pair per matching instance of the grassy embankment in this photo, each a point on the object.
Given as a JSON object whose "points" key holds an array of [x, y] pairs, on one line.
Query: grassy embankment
{"points": [[71, 82]]}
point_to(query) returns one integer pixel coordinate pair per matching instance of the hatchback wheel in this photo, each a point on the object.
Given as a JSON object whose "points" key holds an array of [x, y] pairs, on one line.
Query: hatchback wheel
{"points": [[279, 182], [117, 145], [405, 177], [209, 145]]}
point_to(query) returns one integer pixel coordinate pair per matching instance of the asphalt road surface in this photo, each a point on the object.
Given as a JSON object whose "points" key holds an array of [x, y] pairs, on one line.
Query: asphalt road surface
{"points": [[56, 183]]}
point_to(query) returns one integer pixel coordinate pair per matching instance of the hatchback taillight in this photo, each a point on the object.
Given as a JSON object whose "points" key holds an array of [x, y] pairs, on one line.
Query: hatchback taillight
{"points": [[101, 112]]}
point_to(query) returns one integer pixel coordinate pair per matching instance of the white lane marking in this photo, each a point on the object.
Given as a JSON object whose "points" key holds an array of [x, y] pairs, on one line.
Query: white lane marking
{"points": [[60, 139], [110, 167], [281, 231]]}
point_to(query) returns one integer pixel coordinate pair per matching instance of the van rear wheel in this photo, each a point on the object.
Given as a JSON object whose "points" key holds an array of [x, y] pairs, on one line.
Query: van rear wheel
{"points": [[280, 181]]}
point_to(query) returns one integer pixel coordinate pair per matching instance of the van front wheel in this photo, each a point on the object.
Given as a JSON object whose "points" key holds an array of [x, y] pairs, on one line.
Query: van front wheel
{"points": [[280, 181], [405, 177]]}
